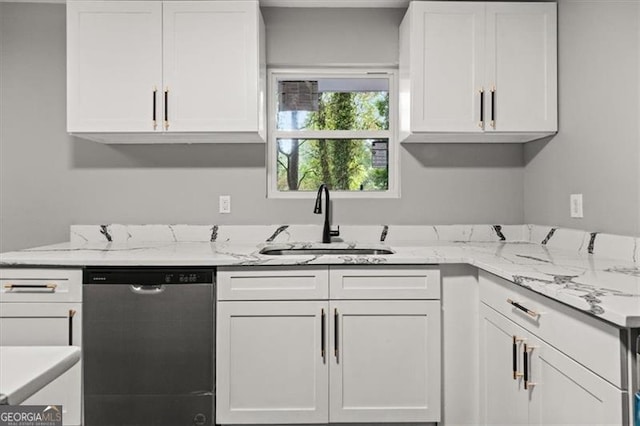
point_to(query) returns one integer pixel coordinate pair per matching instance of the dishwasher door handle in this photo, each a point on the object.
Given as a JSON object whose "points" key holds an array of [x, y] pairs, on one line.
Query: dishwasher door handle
{"points": [[146, 289]]}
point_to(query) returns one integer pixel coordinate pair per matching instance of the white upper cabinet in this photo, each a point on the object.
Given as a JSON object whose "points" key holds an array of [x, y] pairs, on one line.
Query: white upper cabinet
{"points": [[478, 72], [114, 64], [155, 71], [521, 67]]}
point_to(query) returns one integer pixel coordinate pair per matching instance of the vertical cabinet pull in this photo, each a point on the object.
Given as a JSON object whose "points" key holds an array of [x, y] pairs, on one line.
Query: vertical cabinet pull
{"points": [[481, 123], [154, 118], [322, 336], [527, 366], [335, 334], [166, 108], [493, 107], [515, 357], [71, 315]]}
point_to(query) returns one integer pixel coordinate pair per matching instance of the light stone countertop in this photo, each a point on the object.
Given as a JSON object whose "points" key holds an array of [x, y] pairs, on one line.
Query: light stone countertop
{"points": [[607, 288], [24, 370]]}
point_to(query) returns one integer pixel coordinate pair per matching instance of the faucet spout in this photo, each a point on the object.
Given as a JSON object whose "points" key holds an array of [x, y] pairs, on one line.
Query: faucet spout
{"points": [[327, 233]]}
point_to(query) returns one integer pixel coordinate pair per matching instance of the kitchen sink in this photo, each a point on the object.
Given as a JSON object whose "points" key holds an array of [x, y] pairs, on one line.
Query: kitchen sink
{"points": [[272, 251]]}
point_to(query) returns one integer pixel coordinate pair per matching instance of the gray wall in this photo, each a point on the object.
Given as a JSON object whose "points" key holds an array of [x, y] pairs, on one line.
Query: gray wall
{"points": [[597, 150], [49, 180]]}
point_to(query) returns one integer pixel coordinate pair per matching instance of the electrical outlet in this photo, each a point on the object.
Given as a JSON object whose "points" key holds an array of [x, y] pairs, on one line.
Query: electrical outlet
{"points": [[225, 204], [576, 207]]}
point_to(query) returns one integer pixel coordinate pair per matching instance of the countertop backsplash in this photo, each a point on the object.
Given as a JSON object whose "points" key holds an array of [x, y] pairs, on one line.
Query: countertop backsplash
{"points": [[584, 242]]}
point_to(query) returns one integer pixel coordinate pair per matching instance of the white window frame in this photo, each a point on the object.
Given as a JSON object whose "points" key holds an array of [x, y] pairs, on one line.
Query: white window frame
{"points": [[391, 135]]}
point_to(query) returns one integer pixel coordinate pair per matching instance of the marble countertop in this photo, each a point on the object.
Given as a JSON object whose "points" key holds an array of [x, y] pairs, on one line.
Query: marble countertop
{"points": [[24, 370], [604, 287]]}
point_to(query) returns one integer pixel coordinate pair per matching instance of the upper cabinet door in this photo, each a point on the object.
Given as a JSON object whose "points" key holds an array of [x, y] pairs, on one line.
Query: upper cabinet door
{"points": [[522, 66], [114, 64], [211, 65], [447, 40]]}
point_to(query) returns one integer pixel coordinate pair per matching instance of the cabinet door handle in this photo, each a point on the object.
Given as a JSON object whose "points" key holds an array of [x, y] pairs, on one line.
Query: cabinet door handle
{"points": [[335, 334], [166, 108], [528, 311], [322, 336], [514, 355], [493, 107], [155, 121], [51, 287], [527, 366], [71, 315], [481, 123]]}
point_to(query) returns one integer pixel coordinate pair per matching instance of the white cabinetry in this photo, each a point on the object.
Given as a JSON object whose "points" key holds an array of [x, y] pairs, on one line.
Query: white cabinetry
{"points": [[43, 307], [326, 360], [478, 72], [154, 71], [526, 380], [385, 361], [270, 363]]}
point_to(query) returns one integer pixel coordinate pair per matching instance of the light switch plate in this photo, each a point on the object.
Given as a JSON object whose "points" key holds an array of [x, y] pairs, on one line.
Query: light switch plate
{"points": [[576, 207], [224, 204]]}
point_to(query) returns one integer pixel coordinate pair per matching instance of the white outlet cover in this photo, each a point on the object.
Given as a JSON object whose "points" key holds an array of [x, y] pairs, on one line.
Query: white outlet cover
{"points": [[576, 206], [224, 204]]}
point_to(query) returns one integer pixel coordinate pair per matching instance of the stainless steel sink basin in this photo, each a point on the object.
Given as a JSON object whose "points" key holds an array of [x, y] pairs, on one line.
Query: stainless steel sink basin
{"points": [[269, 251]]}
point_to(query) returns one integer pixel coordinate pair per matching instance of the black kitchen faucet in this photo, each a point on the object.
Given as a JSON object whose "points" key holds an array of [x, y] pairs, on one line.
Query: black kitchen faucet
{"points": [[327, 233]]}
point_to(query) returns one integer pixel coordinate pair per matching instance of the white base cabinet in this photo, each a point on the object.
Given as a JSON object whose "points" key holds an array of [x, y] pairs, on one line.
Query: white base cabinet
{"points": [[385, 361], [270, 363], [327, 361], [43, 307], [527, 381]]}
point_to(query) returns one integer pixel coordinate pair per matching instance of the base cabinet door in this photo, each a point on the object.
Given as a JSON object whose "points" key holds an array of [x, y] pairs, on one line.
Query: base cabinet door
{"points": [[272, 362], [563, 392], [525, 381], [501, 341], [385, 358]]}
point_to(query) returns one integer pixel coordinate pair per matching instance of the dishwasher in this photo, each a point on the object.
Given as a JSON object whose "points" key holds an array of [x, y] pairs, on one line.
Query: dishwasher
{"points": [[148, 346]]}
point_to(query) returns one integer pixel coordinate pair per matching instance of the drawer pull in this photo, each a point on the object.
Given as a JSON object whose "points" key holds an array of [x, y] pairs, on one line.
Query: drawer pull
{"points": [[527, 311], [51, 287]]}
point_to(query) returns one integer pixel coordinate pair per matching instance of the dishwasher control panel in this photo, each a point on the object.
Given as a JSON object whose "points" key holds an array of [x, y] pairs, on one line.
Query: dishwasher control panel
{"points": [[147, 276]]}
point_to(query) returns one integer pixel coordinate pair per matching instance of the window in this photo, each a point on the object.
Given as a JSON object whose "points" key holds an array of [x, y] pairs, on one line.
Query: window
{"points": [[332, 127]]}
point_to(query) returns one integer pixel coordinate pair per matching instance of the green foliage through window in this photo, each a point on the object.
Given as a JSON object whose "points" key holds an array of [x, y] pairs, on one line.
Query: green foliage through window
{"points": [[358, 164]]}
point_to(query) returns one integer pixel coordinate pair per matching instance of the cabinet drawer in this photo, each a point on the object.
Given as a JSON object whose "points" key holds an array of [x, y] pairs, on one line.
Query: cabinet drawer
{"points": [[265, 283], [387, 282], [593, 343], [40, 285]]}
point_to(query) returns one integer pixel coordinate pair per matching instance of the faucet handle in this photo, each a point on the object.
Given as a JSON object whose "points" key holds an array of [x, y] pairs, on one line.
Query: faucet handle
{"points": [[335, 232]]}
